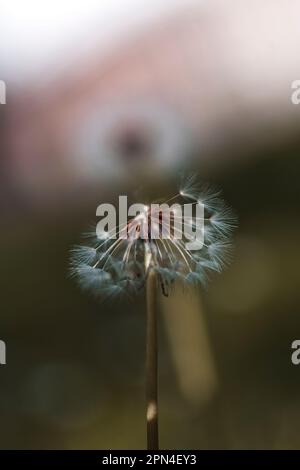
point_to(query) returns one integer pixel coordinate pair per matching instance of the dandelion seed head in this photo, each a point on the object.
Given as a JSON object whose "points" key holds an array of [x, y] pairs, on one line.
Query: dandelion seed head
{"points": [[118, 266]]}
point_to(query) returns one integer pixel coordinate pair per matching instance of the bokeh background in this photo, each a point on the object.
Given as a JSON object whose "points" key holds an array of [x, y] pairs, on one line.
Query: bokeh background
{"points": [[105, 98]]}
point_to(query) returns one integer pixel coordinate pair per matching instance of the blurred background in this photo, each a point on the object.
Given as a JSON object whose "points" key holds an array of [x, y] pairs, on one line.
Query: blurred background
{"points": [[105, 98]]}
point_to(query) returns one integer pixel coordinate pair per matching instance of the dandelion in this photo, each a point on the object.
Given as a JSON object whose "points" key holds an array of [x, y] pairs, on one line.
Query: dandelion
{"points": [[153, 249]]}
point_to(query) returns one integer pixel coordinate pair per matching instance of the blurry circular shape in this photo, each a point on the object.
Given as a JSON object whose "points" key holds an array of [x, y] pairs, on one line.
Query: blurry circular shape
{"points": [[250, 280], [133, 138], [61, 393]]}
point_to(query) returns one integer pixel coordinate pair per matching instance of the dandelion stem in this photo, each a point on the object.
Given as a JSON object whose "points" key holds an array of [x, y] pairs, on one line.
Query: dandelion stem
{"points": [[151, 363]]}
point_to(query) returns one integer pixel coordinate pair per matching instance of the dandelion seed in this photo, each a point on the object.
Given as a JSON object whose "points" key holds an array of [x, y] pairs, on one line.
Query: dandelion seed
{"points": [[117, 266]]}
